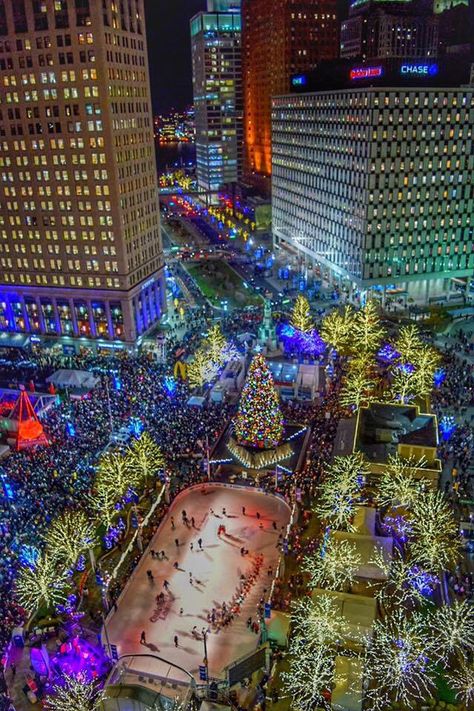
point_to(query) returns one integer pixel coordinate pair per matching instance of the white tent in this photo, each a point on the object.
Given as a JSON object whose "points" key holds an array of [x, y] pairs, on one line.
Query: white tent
{"points": [[74, 379]]}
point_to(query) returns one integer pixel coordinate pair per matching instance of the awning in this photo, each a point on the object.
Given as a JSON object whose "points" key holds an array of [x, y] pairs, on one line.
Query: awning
{"points": [[14, 340], [66, 378]]}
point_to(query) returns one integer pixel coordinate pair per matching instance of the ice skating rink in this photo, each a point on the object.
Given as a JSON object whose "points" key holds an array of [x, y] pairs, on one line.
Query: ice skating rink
{"points": [[204, 579]]}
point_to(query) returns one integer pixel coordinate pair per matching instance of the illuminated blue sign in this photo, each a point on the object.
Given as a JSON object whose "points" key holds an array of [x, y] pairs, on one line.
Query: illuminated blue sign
{"points": [[299, 80], [419, 69]]}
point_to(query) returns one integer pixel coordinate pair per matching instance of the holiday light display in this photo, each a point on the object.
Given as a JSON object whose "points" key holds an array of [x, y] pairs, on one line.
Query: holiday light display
{"points": [[310, 675], [367, 331], [334, 565], [145, 457], [105, 496], [301, 318], [70, 535], [45, 583], [452, 630], [436, 543], [116, 467], [259, 422], [397, 485], [319, 622], [218, 349], [337, 330], [202, 370], [406, 583], [404, 383], [397, 663], [341, 491], [462, 681], [308, 344], [73, 694], [408, 343], [357, 389]]}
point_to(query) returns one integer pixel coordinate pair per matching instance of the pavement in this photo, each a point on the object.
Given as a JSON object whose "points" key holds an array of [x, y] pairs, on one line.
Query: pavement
{"points": [[215, 573]]}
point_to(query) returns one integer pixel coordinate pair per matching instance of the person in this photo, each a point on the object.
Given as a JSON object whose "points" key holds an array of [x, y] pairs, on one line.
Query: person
{"points": [[143, 637], [200, 543], [243, 510], [181, 610], [150, 576], [172, 524], [192, 522], [177, 542], [191, 578], [274, 525], [166, 584], [176, 640], [152, 553], [191, 546], [224, 511], [194, 632], [258, 515], [176, 565]]}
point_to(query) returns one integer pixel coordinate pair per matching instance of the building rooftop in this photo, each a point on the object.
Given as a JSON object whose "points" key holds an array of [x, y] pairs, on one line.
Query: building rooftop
{"points": [[382, 428]]}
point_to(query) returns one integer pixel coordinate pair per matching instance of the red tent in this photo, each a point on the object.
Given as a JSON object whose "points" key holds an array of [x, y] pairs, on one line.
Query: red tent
{"points": [[30, 432]]}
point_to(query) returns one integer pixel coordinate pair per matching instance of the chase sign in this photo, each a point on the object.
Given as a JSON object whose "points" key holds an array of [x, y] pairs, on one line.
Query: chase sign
{"points": [[419, 70]]}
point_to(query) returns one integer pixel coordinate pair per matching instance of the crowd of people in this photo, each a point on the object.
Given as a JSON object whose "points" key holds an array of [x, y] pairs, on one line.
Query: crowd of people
{"points": [[43, 482]]}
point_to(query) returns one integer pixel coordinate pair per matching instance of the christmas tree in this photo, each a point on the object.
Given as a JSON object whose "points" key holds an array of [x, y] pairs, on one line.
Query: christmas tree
{"points": [[259, 422], [301, 316]]}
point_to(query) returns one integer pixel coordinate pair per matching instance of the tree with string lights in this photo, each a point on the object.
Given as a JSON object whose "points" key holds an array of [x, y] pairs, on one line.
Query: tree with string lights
{"points": [[397, 666], [451, 630], [311, 674], [358, 388], [116, 467], [218, 349], [397, 485], [436, 543], [72, 693], [202, 370], [406, 583], [259, 421], [334, 565], [43, 584], [337, 330], [341, 491], [367, 333], [319, 621], [145, 457], [70, 535], [105, 495], [404, 383], [301, 318], [462, 681]]}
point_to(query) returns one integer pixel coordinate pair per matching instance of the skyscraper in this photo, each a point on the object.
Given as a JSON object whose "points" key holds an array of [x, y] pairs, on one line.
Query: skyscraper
{"points": [[399, 29], [372, 175], [80, 246], [217, 86], [279, 38]]}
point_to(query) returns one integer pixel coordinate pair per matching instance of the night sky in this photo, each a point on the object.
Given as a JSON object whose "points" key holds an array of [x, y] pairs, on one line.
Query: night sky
{"points": [[169, 49]]}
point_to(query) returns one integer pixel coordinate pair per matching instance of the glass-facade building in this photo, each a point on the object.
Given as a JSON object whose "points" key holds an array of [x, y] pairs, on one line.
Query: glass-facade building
{"points": [[374, 185], [80, 245], [217, 87]]}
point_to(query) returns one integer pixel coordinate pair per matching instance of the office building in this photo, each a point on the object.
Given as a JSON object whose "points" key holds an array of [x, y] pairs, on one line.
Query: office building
{"points": [[399, 30], [372, 179], [80, 247], [280, 38], [217, 85]]}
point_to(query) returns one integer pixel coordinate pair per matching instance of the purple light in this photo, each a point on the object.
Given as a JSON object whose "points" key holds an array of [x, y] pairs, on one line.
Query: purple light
{"points": [[306, 344], [388, 354]]}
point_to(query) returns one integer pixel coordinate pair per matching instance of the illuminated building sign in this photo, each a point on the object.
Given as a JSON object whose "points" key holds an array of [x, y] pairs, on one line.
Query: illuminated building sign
{"points": [[299, 80], [419, 69], [366, 72]]}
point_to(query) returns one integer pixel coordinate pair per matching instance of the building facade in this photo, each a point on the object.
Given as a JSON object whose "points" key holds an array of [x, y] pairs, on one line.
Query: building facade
{"points": [[280, 38], [382, 33], [374, 184], [217, 86], [80, 245]]}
